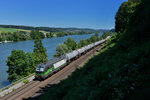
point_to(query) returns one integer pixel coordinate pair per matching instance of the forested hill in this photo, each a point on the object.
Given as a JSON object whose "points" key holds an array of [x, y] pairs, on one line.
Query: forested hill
{"points": [[121, 70], [51, 29]]}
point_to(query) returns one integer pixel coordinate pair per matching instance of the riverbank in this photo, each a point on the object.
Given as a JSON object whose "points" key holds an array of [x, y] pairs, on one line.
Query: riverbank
{"points": [[33, 34], [6, 41], [50, 44]]}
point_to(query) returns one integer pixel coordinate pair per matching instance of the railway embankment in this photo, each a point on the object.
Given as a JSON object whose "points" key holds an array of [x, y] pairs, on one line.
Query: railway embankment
{"points": [[121, 70], [16, 85]]}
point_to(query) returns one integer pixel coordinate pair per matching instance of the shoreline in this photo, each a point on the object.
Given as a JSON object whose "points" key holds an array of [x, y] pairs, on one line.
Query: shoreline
{"points": [[6, 41], [43, 38]]}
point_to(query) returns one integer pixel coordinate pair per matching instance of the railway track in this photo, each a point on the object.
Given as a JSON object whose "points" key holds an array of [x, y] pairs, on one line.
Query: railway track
{"points": [[30, 89]]}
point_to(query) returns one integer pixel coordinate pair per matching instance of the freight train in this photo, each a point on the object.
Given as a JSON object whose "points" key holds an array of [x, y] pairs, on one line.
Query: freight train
{"points": [[47, 69]]}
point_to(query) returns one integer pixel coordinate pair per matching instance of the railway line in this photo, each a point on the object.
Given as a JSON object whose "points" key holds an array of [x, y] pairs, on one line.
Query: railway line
{"points": [[34, 88]]}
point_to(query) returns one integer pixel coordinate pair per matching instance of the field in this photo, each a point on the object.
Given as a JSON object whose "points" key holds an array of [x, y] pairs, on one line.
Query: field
{"points": [[23, 30], [8, 30], [15, 30]]}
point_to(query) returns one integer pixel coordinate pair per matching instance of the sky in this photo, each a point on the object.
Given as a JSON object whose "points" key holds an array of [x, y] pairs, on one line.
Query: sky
{"points": [[96, 14]]}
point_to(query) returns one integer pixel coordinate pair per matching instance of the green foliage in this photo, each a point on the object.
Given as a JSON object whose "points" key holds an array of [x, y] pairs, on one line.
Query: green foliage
{"points": [[49, 35], [19, 65], [35, 34], [15, 36], [13, 89], [71, 43], [61, 34], [96, 34], [61, 50], [105, 34], [39, 51], [22, 35], [93, 39], [82, 43], [124, 13], [26, 81], [121, 69]]}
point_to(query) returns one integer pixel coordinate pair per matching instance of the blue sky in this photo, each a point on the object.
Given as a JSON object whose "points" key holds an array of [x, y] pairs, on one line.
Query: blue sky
{"points": [[97, 14]]}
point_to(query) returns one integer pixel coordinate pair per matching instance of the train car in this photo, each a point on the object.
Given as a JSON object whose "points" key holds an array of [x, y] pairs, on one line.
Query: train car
{"points": [[87, 48], [99, 42], [71, 55], [108, 37], [91, 45], [96, 43], [81, 51], [48, 68]]}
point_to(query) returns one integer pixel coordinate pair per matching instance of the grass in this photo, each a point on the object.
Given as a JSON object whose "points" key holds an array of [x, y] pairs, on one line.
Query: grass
{"points": [[26, 81], [8, 30], [23, 30], [15, 30]]}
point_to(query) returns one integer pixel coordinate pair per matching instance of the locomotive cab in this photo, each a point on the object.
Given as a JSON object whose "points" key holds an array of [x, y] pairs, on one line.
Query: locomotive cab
{"points": [[39, 72]]}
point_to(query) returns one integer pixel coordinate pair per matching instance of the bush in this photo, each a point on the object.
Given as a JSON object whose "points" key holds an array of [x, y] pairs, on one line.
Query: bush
{"points": [[26, 81]]}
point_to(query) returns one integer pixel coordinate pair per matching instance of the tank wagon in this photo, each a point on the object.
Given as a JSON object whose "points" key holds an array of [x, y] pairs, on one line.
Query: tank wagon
{"points": [[72, 55], [46, 69], [81, 51]]}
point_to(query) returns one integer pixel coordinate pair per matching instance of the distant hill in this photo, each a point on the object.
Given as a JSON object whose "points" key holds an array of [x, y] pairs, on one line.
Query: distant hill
{"points": [[52, 29]]}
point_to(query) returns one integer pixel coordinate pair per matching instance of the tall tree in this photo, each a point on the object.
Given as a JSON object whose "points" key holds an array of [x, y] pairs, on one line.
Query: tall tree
{"points": [[93, 39], [71, 43], [39, 51], [19, 65], [124, 13], [82, 43], [61, 50]]}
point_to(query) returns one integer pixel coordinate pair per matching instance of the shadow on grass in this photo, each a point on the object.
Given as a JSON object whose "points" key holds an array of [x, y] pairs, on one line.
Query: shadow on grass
{"points": [[41, 92]]}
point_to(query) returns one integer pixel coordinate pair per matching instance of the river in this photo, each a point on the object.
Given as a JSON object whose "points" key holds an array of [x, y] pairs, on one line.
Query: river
{"points": [[50, 44]]}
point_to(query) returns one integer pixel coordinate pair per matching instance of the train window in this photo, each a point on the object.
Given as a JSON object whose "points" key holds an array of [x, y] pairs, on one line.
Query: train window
{"points": [[41, 69], [38, 68]]}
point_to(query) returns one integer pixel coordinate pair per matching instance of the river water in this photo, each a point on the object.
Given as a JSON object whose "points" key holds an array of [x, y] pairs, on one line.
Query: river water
{"points": [[50, 44]]}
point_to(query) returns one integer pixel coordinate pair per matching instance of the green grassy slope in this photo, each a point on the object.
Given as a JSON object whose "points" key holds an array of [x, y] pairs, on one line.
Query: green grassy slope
{"points": [[120, 71], [8, 30]]}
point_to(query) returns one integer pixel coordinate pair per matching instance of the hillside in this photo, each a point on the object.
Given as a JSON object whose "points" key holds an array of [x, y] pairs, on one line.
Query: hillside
{"points": [[121, 69], [52, 29]]}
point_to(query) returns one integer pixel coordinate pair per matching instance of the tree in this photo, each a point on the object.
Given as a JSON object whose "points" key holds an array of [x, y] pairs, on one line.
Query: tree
{"points": [[49, 35], [71, 43], [82, 43], [15, 36], [60, 34], [34, 34], [31, 63], [16, 65], [96, 34], [20, 64], [61, 50], [0, 38], [93, 39], [124, 13], [105, 34], [39, 51]]}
